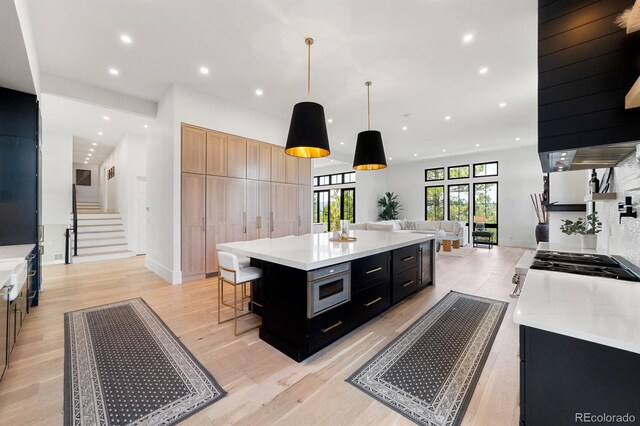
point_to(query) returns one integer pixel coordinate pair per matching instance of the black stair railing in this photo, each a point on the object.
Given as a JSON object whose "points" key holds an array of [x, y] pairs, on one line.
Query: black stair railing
{"points": [[74, 201]]}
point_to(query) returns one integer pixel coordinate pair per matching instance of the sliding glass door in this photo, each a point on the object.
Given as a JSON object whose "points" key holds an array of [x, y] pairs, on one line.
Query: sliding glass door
{"points": [[331, 205], [485, 196]]}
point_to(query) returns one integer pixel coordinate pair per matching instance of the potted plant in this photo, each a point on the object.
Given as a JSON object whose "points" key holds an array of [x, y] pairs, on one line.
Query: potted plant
{"points": [[390, 206], [588, 228]]}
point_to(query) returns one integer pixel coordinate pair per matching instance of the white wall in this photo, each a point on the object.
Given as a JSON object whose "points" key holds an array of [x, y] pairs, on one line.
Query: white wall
{"points": [[57, 178], [520, 174], [87, 193], [130, 160], [183, 105]]}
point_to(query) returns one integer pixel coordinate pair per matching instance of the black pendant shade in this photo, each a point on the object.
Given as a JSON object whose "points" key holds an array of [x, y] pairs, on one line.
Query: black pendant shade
{"points": [[369, 151], [308, 132]]}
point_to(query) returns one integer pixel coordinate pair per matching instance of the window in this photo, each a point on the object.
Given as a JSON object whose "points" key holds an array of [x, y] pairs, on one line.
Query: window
{"points": [[315, 181], [434, 203], [332, 205], [485, 196], [434, 174], [323, 180], [458, 172], [336, 179], [485, 169], [349, 177], [459, 203]]}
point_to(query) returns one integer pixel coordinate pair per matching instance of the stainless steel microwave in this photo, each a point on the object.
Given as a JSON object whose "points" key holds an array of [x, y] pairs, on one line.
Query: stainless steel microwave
{"points": [[328, 288]]}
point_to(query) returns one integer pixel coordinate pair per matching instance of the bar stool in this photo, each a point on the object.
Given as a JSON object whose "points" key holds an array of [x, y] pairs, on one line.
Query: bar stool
{"points": [[229, 271]]}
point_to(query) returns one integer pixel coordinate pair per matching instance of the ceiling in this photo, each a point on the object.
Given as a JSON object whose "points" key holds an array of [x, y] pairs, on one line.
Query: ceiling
{"points": [[412, 51], [15, 72], [83, 121]]}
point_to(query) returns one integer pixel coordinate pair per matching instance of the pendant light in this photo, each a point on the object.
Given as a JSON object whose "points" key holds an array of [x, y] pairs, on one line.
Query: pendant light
{"points": [[308, 129], [369, 149]]}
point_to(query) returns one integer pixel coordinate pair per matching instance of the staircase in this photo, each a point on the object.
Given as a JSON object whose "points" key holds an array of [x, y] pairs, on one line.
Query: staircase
{"points": [[100, 234]]}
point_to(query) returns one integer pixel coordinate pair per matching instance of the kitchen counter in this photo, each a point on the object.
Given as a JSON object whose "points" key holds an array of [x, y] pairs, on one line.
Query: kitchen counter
{"points": [[13, 267], [598, 310], [312, 251], [19, 252]]}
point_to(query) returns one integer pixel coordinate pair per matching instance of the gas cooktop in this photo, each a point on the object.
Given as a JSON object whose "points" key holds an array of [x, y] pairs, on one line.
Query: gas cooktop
{"points": [[595, 265]]}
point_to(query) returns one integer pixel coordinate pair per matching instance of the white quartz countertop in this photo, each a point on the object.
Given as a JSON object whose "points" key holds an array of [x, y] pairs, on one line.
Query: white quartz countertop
{"points": [[18, 252], [599, 310], [312, 251], [13, 267]]}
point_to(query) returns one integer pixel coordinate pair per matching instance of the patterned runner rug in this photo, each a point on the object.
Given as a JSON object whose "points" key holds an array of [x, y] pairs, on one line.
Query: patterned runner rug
{"points": [[123, 366], [429, 372]]}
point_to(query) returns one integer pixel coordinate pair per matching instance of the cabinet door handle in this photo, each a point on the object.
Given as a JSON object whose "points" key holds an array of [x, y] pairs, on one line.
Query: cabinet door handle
{"points": [[379, 268], [204, 228], [373, 302], [244, 222], [32, 273], [326, 330], [6, 290], [408, 283], [259, 222], [299, 221], [405, 259], [272, 221]]}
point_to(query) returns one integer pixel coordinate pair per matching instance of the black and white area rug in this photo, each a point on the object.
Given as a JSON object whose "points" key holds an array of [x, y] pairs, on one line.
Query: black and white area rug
{"points": [[429, 372], [124, 366]]}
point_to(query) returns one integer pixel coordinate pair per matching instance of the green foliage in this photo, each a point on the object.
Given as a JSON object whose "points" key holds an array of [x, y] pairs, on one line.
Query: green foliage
{"points": [[390, 206], [459, 172], [434, 203], [589, 226]]}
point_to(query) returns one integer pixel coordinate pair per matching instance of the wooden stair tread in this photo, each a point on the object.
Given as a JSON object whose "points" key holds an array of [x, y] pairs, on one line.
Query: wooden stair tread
{"points": [[102, 224], [101, 238], [99, 218], [100, 232], [104, 253], [101, 245]]}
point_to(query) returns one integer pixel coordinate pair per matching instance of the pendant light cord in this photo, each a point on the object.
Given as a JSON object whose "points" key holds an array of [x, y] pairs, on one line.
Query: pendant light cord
{"points": [[368, 84], [309, 42]]}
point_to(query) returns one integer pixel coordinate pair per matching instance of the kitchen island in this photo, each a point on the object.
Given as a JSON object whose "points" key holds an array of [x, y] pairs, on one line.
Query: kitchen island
{"points": [[314, 291]]}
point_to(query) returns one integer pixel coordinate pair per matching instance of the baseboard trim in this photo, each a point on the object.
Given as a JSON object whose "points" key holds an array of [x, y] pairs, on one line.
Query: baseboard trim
{"points": [[172, 277]]}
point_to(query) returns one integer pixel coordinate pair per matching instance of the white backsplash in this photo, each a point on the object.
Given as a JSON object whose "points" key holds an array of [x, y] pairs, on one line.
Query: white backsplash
{"points": [[623, 239]]}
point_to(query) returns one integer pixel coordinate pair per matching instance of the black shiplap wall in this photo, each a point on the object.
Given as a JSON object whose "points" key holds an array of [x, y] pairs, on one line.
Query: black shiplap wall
{"points": [[586, 66]]}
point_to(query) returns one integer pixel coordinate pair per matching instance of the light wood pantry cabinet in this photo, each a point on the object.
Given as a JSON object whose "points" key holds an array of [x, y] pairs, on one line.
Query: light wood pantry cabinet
{"points": [[226, 215], [284, 210], [194, 149], [193, 226], [216, 153], [235, 189]]}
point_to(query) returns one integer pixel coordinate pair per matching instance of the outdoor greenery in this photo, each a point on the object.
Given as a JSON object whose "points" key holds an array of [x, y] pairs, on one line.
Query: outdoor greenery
{"points": [[459, 203], [390, 207], [327, 207], [486, 204], [434, 174], [589, 226], [434, 196], [458, 172]]}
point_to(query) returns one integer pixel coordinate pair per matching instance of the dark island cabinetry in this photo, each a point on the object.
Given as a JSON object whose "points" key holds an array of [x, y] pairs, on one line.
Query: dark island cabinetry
{"points": [[564, 380], [376, 283]]}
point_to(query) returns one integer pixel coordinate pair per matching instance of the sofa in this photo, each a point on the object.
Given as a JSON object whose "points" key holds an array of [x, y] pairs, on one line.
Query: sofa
{"points": [[452, 229]]}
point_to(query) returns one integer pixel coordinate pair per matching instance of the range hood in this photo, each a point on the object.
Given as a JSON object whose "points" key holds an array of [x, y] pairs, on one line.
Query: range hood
{"points": [[593, 157]]}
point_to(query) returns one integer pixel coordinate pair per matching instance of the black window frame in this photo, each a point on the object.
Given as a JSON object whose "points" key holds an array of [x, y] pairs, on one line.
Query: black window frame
{"points": [[426, 172], [466, 222], [337, 177], [344, 178], [316, 206], [342, 191], [324, 176], [496, 225], [457, 167], [484, 164], [426, 197]]}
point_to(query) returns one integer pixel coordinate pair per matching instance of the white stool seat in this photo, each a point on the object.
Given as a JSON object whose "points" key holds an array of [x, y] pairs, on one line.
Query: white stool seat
{"points": [[244, 262], [247, 274]]}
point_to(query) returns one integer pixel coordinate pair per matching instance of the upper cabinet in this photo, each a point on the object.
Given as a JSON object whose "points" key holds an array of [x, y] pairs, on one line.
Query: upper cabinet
{"points": [[194, 150], [304, 171], [278, 160], [236, 157], [216, 153], [258, 160], [291, 169]]}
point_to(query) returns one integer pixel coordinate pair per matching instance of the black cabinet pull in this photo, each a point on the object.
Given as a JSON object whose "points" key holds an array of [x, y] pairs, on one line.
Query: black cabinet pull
{"points": [[374, 301], [326, 330], [32, 273], [379, 268], [408, 283], [405, 259]]}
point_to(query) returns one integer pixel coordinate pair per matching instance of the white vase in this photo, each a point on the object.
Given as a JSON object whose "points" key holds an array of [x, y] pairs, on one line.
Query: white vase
{"points": [[589, 241]]}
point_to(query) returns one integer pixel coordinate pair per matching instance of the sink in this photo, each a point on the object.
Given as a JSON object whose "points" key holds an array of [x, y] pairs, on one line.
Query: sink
{"points": [[16, 272]]}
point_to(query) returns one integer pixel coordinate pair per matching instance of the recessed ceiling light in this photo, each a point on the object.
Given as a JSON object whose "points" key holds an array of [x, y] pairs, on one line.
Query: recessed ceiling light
{"points": [[517, 139], [146, 126], [502, 104], [86, 159], [563, 153], [86, 162], [467, 38], [331, 161], [477, 145], [91, 149], [404, 127], [390, 158], [415, 155], [89, 154], [114, 71], [106, 117], [94, 144], [259, 92], [444, 150], [330, 120], [483, 70], [341, 143], [204, 70], [100, 133], [126, 39], [448, 117]]}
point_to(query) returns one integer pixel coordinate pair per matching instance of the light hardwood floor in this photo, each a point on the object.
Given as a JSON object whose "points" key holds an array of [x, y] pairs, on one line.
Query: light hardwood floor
{"points": [[264, 386]]}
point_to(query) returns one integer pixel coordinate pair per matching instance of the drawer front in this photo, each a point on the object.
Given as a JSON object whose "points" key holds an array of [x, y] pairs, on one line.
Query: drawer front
{"points": [[404, 283], [369, 269], [368, 303], [405, 258], [330, 326]]}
